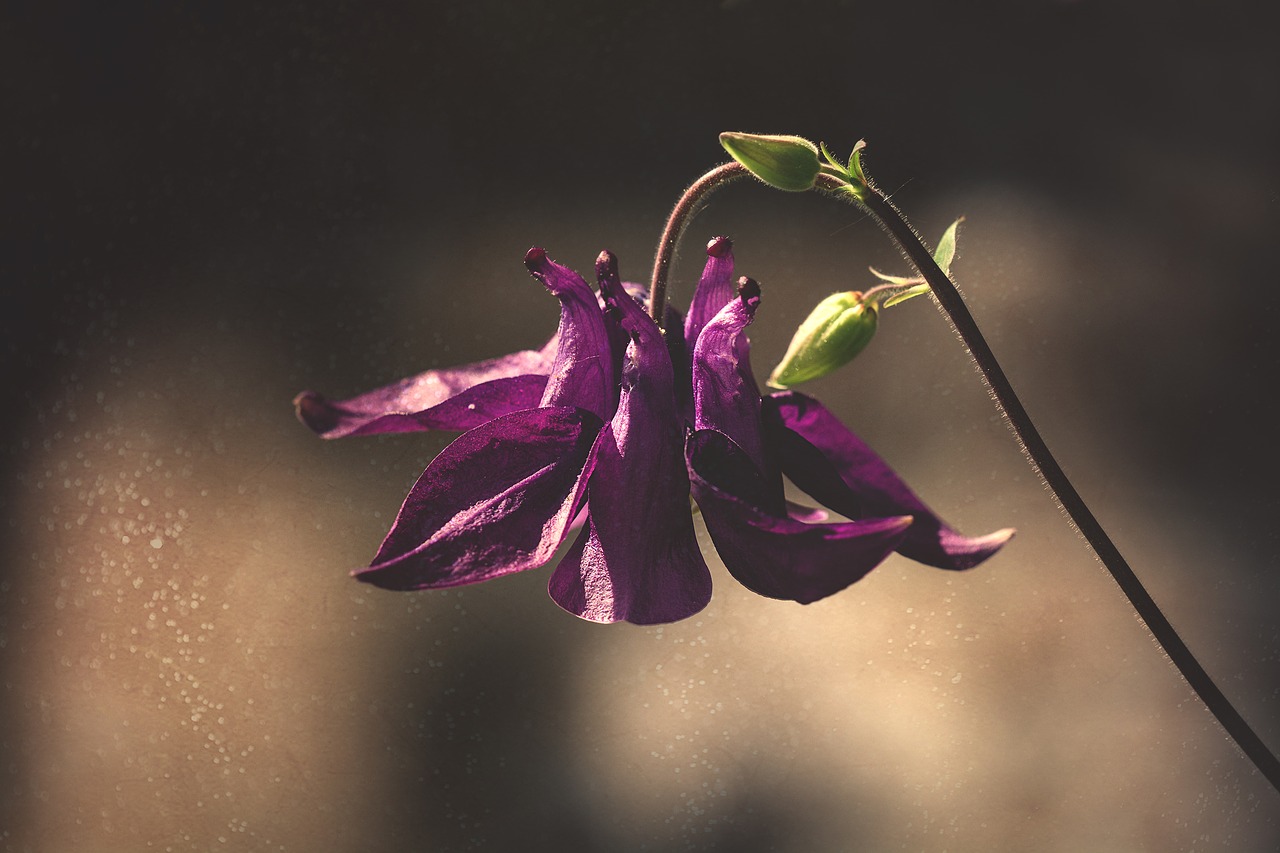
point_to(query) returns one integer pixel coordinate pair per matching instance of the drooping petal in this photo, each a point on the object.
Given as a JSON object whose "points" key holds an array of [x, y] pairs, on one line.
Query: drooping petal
{"points": [[454, 398], [825, 459], [775, 555], [714, 290], [582, 374], [499, 499], [637, 559]]}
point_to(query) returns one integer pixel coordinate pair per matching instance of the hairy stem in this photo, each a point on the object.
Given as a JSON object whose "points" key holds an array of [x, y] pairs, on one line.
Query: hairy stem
{"points": [[1043, 461], [684, 210]]}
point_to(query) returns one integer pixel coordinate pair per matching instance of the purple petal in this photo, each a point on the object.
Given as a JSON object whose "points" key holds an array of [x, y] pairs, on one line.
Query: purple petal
{"points": [[637, 559], [499, 499], [725, 395], [774, 555], [821, 456], [582, 374], [455, 398], [714, 289]]}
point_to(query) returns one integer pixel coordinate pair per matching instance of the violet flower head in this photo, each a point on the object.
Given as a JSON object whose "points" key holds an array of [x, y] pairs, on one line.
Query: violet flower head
{"points": [[612, 428]]}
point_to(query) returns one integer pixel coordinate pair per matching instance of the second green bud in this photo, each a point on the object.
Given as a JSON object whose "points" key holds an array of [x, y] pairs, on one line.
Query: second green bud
{"points": [[838, 329]]}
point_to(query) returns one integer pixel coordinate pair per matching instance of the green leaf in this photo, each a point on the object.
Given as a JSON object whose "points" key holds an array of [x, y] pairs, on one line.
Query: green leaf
{"points": [[946, 251], [942, 256], [784, 162], [918, 290], [822, 146], [855, 161], [895, 279]]}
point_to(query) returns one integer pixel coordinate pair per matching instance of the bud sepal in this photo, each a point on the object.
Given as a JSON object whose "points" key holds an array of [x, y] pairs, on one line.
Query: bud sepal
{"points": [[835, 331], [784, 162]]}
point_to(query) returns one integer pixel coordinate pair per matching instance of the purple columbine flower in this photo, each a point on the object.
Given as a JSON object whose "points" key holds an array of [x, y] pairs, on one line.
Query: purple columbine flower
{"points": [[610, 426]]}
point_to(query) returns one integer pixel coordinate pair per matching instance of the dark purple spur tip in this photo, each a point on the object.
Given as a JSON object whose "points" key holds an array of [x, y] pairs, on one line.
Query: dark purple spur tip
{"points": [[748, 289], [607, 274], [314, 412], [535, 257], [718, 247]]}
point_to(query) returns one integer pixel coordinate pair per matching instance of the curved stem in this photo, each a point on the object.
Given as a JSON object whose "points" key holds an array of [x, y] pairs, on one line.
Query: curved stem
{"points": [[1043, 461], [684, 210]]}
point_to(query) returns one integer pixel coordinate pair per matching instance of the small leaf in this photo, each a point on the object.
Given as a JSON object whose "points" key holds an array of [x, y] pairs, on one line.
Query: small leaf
{"points": [[918, 290], [784, 162], [895, 279], [855, 161], [942, 256], [946, 251], [822, 146]]}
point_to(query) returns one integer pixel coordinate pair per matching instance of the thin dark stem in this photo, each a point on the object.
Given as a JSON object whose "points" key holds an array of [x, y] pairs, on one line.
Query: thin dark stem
{"points": [[1043, 461], [684, 210]]}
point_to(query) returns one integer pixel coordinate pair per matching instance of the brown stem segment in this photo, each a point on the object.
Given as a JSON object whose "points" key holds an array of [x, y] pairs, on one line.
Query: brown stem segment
{"points": [[684, 210], [1045, 464]]}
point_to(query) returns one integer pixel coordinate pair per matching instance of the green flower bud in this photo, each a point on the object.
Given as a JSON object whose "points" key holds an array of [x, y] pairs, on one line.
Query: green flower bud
{"points": [[784, 162], [838, 329]]}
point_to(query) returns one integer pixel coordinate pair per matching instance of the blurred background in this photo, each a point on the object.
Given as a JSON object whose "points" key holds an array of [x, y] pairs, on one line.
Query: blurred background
{"points": [[209, 208]]}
